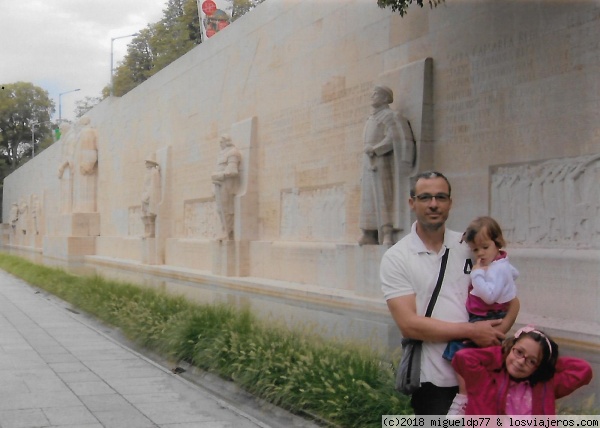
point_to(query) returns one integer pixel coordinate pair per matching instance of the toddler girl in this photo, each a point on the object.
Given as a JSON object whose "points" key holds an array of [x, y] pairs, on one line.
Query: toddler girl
{"points": [[492, 286]]}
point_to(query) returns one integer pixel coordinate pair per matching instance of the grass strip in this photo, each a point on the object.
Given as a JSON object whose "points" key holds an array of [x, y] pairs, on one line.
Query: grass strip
{"points": [[345, 384]]}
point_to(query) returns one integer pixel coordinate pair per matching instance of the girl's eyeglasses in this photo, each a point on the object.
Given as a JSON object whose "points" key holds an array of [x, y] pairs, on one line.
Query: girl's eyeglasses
{"points": [[529, 361]]}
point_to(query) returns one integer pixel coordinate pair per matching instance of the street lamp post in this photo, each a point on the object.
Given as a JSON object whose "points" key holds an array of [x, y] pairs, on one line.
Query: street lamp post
{"points": [[33, 138], [112, 41], [60, 103]]}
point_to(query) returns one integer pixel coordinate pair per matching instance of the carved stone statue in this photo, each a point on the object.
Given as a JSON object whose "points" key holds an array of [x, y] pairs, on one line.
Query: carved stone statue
{"points": [[388, 162], [87, 171], [23, 216], [66, 169], [151, 196], [14, 216], [226, 182]]}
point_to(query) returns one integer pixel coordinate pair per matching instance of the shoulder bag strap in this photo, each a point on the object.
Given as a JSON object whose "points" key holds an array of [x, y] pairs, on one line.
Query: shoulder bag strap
{"points": [[438, 285]]}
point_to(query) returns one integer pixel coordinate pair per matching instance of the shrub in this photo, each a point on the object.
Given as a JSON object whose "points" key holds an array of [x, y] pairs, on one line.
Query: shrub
{"points": [[344, 384]]}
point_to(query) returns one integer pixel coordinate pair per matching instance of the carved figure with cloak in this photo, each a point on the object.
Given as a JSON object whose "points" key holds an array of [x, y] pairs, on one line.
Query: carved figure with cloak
{"points": [[390, 154]]}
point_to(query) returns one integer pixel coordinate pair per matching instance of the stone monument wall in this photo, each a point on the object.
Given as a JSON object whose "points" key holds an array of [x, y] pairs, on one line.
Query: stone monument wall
{"points": [[495, 92]]}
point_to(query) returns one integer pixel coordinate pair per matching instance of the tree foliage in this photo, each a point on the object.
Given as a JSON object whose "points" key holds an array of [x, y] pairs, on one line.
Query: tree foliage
{"points": [[157, 45], [25, 112], [239, 8], [161, 43], [401, 6], [85, 105], [22, 105]]}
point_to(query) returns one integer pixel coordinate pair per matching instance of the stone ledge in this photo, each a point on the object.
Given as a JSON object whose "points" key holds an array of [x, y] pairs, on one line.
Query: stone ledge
{"points": [[269, 287], [572, 332], [564, 331]]}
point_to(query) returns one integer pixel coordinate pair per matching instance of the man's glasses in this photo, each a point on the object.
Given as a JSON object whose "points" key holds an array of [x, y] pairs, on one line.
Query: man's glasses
{"points": [[529, 361], [427, 197]]}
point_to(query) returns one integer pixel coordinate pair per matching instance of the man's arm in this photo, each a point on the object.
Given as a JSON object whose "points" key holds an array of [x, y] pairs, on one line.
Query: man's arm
{"points": [[404, 312], [511, 315]]}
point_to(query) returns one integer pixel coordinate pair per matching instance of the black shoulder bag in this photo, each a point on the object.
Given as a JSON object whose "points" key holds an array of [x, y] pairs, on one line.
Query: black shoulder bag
{"points": [[408, 375]]}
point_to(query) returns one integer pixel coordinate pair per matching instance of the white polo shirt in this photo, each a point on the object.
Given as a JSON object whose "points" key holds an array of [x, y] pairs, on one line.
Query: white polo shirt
{"points": [[410, 268]]}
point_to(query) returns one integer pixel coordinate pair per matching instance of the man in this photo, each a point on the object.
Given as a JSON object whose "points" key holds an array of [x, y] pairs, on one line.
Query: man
{"points": [[388, 161], [409, 272]]}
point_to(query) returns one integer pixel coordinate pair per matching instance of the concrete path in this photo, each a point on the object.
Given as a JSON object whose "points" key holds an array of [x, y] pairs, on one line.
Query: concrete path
{"points": [[59, 370]]}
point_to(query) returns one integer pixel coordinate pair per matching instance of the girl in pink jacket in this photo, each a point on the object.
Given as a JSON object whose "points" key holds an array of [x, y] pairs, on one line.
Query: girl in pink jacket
{"points": [[524, 376]]}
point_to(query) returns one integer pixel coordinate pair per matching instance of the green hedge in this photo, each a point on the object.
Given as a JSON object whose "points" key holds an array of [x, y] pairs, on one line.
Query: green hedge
{"points": [[345, 384]]}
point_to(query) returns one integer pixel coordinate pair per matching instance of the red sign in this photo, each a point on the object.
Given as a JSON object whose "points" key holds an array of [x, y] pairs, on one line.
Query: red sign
{"points": [[210, 32], [209, 7], [222, 24]]}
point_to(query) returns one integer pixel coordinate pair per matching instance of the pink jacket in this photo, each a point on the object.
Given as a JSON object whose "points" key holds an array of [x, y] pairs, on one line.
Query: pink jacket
{"points": [[487, 381]]}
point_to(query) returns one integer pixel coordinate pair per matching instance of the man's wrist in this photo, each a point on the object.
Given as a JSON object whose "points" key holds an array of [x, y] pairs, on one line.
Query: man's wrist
{"points": [[471, 330]]}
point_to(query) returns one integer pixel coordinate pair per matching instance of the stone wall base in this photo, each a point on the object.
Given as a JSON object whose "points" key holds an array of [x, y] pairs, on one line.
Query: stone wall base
{"points": [[226, 258], [189, 253], [120, 248], [63, 247], [564, 283], [330, 266], [79, 224]]}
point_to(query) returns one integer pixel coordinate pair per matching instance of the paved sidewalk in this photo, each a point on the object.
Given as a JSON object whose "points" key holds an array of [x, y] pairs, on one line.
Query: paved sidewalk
{"points": [[58, 370]]}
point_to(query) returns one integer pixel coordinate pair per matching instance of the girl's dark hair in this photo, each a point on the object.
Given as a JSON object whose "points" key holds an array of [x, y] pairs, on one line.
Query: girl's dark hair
{"points": [[547, 367], [489, 226]]}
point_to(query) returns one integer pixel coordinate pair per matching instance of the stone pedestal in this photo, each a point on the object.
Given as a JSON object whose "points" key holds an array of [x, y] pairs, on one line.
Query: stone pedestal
{"points": [[189, 253], [76, 235], [127, 248], [5, 233], [38, 241], [230, 258], [366, 269], [79, 224], [226, 258], [149, 254], [66, 247]]}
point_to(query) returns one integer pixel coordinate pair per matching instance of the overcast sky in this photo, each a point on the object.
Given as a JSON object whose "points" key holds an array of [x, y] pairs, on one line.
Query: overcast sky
{"points": [[61, 45]]}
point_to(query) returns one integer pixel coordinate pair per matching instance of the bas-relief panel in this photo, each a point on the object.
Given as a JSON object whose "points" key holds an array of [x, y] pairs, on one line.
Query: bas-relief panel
{"points": [[25, 219], [201, 219], [317, 214], [554, 203]]}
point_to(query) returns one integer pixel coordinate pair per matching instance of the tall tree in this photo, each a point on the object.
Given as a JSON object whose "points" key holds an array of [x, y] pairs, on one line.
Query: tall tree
{"points": [[161, 43], [85, 105], [158, 45], [401, 6], [137, 64], [25, 111], [176, 34], [241, 7]]}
